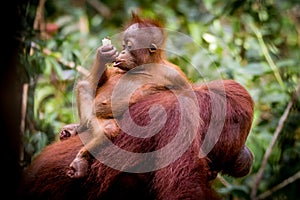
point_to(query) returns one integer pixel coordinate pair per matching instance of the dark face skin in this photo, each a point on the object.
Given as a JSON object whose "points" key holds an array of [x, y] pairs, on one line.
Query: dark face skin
{"points": [[139, 46]]}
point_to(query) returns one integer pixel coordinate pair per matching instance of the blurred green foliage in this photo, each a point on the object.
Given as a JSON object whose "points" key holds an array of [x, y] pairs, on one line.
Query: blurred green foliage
{"points": [[253, 42]]}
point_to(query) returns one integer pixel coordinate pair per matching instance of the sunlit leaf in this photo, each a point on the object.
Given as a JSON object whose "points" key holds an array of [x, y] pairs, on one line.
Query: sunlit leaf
{"points": [[209, 38]]}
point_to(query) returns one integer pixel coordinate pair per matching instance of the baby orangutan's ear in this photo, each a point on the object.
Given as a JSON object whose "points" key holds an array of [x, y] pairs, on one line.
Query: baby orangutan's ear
{"points": [[152, 48]]}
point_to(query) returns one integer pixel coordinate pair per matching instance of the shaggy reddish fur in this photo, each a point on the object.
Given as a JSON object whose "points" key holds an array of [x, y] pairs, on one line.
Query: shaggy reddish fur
{"points": [[189, 177]]}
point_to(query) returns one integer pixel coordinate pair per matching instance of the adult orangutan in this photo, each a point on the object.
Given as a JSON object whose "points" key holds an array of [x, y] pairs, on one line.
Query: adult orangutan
{"points": [[173, 162], [141, 69], [188, 177]]}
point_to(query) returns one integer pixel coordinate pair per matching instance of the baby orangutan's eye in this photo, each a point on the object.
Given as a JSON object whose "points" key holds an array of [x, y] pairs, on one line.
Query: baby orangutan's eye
{"points": [[123, 45], [129, 45]]}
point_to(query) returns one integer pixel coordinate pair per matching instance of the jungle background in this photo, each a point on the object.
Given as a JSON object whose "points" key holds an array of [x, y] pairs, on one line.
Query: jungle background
{"points": [[255, 42]]}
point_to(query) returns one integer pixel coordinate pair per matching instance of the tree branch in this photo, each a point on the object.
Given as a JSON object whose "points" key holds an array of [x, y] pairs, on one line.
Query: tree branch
{"points": [[223, 181], [271, 145], [69, 64], [280, 185], [24, 107], [100, 7], [266, 53]]}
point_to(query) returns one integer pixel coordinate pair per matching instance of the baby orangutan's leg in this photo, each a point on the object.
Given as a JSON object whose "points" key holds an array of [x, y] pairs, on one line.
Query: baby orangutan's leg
{"points": [[80, 165], [84, 97], [97, 127]]}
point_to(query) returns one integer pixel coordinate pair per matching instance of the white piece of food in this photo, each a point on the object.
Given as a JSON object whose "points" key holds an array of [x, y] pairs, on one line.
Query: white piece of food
{"points": [[106, 41]]}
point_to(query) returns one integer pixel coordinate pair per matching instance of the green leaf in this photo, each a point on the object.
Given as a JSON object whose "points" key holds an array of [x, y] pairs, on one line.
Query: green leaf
{"points": [[256, 69], [48, 67], [209, 38], [274, 96], [195, 32], [41, 94], [236, 190], [57, 68], [39, 140]]}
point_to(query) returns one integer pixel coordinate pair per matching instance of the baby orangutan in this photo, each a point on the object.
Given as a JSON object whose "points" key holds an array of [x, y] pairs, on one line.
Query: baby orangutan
{"points": [[141, 66]]}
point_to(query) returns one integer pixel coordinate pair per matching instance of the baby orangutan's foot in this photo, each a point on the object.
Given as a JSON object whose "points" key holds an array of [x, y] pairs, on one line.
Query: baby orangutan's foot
{"points": [[80, 165], [67, 131]]}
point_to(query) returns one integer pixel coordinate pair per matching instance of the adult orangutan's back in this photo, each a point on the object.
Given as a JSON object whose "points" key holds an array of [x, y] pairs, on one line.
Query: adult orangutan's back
{"points": [[187, 177]]}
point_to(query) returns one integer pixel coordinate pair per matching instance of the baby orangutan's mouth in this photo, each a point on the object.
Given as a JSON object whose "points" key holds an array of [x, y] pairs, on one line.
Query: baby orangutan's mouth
{"points": [[118, 63]]}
